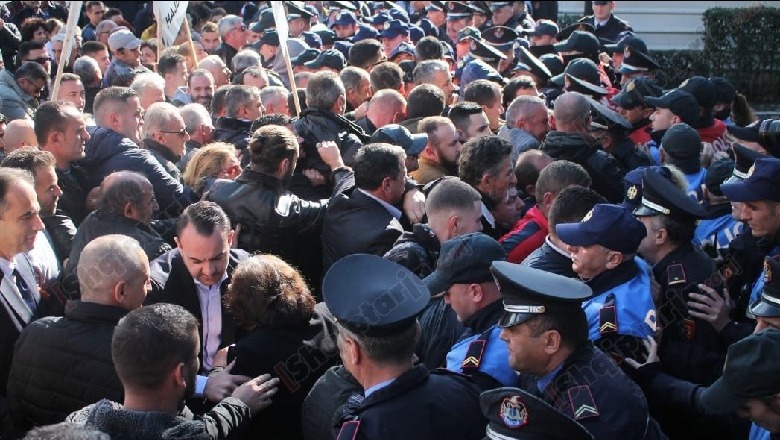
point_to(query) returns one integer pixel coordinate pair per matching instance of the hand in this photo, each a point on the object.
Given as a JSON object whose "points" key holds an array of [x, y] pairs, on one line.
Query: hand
{"points": [[362, 110], [220, 359], [652, 355], [710, 306], [330, 154], [257, 392], [221, 384], [315, 177], [414, 205]]}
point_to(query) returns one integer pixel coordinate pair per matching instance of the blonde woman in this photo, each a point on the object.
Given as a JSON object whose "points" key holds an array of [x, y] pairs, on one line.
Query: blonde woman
{"points": [[216, 160]]}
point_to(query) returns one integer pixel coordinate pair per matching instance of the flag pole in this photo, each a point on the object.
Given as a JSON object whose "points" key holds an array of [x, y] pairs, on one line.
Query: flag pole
{"points": [[70, 30], [280, 17]]}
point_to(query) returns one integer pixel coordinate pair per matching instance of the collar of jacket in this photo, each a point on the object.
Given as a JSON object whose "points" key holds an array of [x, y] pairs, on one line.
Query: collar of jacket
{"points": [[341, 120], [121, 219], [643, 123], [89, 311], [248, 175], [484, 318], [9, 78], [409, 380], [613, 277], [235, 124], [657, 136], [677, 254], [160, 149]]}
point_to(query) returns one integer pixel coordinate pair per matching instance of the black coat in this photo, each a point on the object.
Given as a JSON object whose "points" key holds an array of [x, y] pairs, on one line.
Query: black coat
{"points": [[611, 30], [605, 172], [417, 250], [356, 223], [550, 260], [73, 184], [173, 284], [629, 156], [62, 364], [298, 355], [331, 396], [237, 132], [419, 405]]}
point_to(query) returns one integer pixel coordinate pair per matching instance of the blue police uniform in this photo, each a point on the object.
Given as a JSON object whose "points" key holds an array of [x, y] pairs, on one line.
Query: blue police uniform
{"points": [[587, 386], [486, 353], [718, 232], [375, 298], [696, 185]]}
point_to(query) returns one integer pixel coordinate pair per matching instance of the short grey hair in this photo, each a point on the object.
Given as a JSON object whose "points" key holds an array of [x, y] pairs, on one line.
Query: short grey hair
{"points": [[107, 260], [271, 93], [146, 80], [239, 96], [352, 76], [227, 23], [211, 61], [424, 72], [194, 115], [105, 26], [523, 107], [246, 58], [87, 68], [157, 117], [323, 90]]}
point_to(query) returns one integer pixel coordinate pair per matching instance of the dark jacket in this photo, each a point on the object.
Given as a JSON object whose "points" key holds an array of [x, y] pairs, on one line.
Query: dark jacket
{"points": [[548, 259], [10, 38], [629, 157], [226, 52], [317, 125], [173, 284], [394, 412], [62, 364], [609, 31], [108, 151], [74, 185], [62, 232], [417, 250], [605, 172], [329, 398], [164, 157], [234, 131], [298, 355], [98, 224], [356, 223], [121, 424]]}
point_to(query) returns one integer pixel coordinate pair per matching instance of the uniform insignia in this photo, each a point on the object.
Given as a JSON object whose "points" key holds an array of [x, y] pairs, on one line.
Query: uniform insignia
{"points": [[582, 404], [387, 25], [689, 328], [627, 52], [513, 412], [473, 45], [473, 358], [349, 430], [767, 273], [451, 6], [633, 191], [750, 171], [498, 33], [587, 216], [675, 274], [608, 319], [630, 86]]}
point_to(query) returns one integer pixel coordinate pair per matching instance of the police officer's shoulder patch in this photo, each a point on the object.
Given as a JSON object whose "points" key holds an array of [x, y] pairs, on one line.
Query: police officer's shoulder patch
{"points": [[582, 404], [675, 274], [349, 430]]}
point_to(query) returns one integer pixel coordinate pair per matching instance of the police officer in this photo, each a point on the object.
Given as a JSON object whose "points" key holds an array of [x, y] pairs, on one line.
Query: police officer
{"points": [[375, 303], [637, 64], [513, 413], [606, 25], [615, 138], [631, 104], [503, 39], [719, 228], [603, 246], [681, 146], [463, 274], [547, 335], [670, 219]]}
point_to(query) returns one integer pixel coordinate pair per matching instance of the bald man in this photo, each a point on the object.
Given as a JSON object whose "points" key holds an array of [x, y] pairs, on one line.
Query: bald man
{"points": [[386, 107], [46, 383], [19, 133]]}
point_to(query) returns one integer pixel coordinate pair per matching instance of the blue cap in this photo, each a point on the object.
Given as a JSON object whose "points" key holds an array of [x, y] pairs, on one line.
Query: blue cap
{"points": [[372, 296], [465, 259], [380, 19], [428, 27], [401, 48], [345, 18], [328, 58], [312, 39], [478, 69], [610, 226], [529, 292], [343, 46], [545, 27], [416, 33], [394, 28], [365, 32], [761, 183], [305, 56], [395, 134], [399, 14], [269, 37], [266, 19], [326, 35]]}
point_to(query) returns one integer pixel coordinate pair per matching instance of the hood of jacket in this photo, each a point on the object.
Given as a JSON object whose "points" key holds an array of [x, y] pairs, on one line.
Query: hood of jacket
{"points": [[567, 146], [103, 144]]}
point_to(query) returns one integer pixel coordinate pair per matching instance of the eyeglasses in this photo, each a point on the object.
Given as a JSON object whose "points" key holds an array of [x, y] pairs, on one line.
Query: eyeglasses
{"points": [[182, 132], [41, 60], [36, 88]]}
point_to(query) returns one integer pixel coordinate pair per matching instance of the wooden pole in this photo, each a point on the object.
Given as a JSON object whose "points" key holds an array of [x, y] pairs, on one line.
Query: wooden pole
{"points": [[280, 17], [70, 30], [192, 44]]}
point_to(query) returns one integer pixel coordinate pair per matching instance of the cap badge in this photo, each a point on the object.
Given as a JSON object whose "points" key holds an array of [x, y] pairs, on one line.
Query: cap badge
{"points": [[630, 86], [632, 192], [587, 216], [387, 25], [499, 33], [451, 6], [767, 272], [473, 45], [627, 52], [513, 412], [750, 171]]}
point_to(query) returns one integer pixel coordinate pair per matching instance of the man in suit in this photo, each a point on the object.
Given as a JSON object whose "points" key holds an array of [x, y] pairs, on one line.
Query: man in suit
{"points": [[19, 296], [606, 25], [361, 217], [195, 276]]}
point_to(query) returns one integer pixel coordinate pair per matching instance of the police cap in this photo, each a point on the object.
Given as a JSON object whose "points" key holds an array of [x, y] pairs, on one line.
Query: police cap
{"points": [[535, 65], [633, 185], [485, 51], [607, 117], [610, 226], [566, 32], [761, 183], [513, 413], [365, 32], [662, 197], [628, 40], [584, 73], [680, 102], [372, 296], [458, 10], [529, 292], [501, 37], [634, 92], [768, 305], [744, 159], [465, 259], [636, 61]]}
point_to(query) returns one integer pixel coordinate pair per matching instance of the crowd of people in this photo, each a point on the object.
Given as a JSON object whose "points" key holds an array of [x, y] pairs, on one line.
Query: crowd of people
{"points": [[449, 220]]}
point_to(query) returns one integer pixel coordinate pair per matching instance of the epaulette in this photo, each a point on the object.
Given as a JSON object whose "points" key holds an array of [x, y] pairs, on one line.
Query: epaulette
{"points": [[349, 430], [608, 316], [675, 274], [582, 404]]}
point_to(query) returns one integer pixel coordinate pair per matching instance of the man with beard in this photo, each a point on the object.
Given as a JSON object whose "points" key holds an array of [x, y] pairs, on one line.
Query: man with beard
{"points": [[440, 156], [154, 391], [200, 87]]}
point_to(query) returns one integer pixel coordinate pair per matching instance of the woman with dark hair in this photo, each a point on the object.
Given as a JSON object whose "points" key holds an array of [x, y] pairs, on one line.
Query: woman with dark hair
{"points": [[287, 337], [35, 30]]}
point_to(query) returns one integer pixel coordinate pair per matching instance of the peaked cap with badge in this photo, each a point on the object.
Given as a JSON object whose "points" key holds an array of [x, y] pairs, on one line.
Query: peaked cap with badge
{"points": [[610, 226], [768, 304], [661, 197]]}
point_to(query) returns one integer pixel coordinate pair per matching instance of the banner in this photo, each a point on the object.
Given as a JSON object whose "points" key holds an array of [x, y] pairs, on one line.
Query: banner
{"points": [[170, 17]]}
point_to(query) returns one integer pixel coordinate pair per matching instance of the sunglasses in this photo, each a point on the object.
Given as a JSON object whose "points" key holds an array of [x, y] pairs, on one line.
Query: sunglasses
{"points": [[182, 132]]}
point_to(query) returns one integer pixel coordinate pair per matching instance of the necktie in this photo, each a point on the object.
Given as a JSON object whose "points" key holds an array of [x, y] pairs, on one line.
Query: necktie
{"points": [[24, 289]]}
